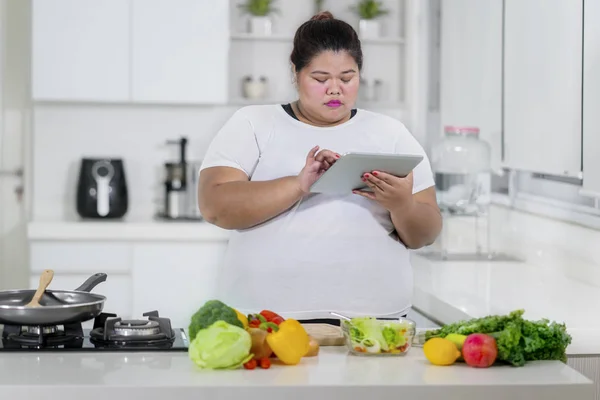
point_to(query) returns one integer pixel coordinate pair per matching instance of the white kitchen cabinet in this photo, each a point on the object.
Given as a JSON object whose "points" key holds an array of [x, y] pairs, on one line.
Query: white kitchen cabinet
{"points": [[80, 50], [175, 278], [543, 86], [73, 262], [179, 51], [77, 256], [591, 98], [471, 69]]}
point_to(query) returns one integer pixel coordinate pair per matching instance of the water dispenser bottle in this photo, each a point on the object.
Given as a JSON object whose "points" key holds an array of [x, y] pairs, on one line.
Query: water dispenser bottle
{"points": [[461, 162], [462, 165]]}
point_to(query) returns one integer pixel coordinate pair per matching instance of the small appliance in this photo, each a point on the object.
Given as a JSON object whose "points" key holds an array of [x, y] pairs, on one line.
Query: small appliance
{"points": [[181, 180], [102, 188]]}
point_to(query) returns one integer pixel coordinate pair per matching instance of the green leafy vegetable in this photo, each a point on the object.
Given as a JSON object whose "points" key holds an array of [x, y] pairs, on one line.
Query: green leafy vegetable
{"points": [[391, 336], [518, 339], [367, 328], [221, 346], [210, 312], [392, 332], [368, 331], [356, 335]]}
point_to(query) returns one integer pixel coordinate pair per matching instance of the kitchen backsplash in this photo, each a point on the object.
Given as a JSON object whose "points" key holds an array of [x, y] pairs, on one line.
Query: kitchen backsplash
{"points": [[63, 134]]}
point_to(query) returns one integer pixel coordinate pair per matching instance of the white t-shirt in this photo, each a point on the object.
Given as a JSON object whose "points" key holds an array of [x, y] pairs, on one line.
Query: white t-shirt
{"points": [[326, 253]]}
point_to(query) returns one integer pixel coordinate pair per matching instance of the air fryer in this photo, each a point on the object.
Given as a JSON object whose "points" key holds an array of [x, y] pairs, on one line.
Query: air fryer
{"points": [[102, 189]]}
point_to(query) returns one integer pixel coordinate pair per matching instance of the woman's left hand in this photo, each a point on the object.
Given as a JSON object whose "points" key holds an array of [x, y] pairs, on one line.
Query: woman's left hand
{"points": [[390, 191]]}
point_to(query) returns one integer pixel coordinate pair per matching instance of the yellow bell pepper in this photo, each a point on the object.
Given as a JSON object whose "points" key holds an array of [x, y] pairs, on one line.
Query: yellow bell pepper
{"points": [[289, 342], [243, 319]]}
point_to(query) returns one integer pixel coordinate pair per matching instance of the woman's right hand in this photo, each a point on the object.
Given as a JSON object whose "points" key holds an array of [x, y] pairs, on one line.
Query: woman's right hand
{"points": [[315, 166]]}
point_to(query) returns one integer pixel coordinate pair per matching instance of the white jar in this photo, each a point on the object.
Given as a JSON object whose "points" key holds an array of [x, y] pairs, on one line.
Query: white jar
{"points": [[369, 29], [260, 26], [255, 89]]}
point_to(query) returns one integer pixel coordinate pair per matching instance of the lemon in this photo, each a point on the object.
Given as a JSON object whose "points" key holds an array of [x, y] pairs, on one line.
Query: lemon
{"points": [[441, 351], [243, 319]]}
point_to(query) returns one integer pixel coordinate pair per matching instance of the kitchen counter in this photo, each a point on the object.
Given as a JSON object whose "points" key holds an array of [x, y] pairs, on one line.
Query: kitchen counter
{"points": [[333, 374], [558, 277], [452, 291]]}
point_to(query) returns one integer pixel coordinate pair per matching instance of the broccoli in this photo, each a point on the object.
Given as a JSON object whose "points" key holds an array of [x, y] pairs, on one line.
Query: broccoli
{"points": [[210, 312]]}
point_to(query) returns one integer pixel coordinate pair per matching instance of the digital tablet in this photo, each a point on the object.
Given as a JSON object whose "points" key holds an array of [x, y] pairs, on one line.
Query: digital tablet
{"points": [[346, 173]]}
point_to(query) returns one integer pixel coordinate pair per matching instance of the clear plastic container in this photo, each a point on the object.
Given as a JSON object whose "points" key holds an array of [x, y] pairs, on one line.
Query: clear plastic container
{"points": [[461, 162], [370, 344]]}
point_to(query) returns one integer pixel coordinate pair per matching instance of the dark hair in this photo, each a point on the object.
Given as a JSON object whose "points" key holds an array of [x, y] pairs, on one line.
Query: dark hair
{"points": [[323, 32]]}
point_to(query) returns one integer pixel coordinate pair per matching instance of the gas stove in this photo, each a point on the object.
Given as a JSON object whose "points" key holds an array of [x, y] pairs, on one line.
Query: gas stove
{"points": [[109, 333]]}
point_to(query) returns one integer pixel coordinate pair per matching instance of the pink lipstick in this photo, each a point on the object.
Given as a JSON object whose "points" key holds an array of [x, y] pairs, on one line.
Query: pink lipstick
{"points": [[334, 103]]}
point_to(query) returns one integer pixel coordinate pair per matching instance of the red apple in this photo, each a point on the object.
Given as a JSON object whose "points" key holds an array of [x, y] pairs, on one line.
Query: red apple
{"points": [[480, 350]]}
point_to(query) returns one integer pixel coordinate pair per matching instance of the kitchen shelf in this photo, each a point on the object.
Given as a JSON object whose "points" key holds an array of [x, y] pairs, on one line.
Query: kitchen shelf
{"points": [[383, 40], [248, 102], [288, 38], [266, 38], [257, 54]]}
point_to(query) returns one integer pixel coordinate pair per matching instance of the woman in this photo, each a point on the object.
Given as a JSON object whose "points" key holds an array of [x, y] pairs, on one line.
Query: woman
{"points": [[306, 255]]}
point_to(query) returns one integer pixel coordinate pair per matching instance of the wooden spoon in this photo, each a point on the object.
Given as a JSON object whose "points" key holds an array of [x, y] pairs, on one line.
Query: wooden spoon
{"points": [[45, 280]]}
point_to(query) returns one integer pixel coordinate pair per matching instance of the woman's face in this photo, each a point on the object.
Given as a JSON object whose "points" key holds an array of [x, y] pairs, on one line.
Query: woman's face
{"points": [[328, 87]]}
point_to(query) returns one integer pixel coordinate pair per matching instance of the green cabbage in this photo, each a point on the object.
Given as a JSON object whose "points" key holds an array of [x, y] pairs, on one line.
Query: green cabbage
{"points": [[221, 346]]}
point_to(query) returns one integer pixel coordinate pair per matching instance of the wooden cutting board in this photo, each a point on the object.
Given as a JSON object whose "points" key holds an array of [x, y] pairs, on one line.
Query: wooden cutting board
{"points": [[325, 334]]}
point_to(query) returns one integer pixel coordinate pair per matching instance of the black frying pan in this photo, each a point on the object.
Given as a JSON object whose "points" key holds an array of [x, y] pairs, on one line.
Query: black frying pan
{"points": [[58, 307]]}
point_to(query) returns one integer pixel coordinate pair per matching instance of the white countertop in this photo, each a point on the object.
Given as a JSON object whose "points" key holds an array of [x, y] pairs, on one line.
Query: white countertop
{"points": [[332, 375], [454, 291]]}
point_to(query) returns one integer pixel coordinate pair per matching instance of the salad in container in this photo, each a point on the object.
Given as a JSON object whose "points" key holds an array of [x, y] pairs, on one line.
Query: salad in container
{"points": [[380, 337]]}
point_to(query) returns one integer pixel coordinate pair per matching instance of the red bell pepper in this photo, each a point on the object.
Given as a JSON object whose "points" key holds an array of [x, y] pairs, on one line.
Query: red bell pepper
{"points": [[273, 317]]}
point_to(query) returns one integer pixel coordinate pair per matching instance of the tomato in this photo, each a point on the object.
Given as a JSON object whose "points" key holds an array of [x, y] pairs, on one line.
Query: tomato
{"points": [[265, 363], [250, 364], [254, 323]]}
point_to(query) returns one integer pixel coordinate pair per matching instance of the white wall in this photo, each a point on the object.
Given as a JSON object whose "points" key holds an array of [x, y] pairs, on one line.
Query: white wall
{"points": [[63, 134], [14, 73]]}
